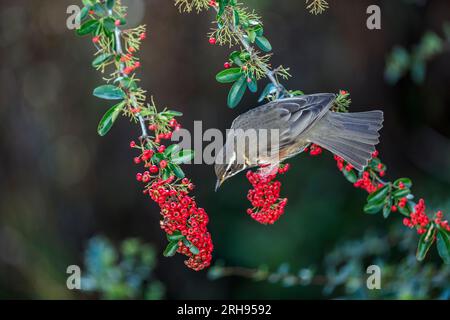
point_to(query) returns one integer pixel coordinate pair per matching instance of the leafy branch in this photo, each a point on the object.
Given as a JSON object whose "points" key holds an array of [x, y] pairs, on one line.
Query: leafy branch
{"points": [[164, 181]]}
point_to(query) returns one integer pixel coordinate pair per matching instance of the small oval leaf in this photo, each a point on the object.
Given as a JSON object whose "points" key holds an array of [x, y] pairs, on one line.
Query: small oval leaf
{"points": [[109, 118], [263, 44], [171, 249], [109, 92], [229, 75], [183, 157], [102, 58], [237, 92]]}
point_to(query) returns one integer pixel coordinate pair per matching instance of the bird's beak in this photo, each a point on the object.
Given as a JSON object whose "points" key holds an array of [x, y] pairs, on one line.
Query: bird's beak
{"points": [[218, 184]]}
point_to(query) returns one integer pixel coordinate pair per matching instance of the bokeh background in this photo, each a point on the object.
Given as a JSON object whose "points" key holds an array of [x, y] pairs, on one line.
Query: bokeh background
{"points": [[61, 184]]}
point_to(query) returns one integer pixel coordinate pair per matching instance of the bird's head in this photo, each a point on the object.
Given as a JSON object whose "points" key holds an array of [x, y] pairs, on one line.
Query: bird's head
{"points": [[227, 165]]}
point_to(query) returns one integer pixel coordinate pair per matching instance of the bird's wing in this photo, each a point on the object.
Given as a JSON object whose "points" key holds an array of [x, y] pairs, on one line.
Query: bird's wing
{"points": [[292, 116]]}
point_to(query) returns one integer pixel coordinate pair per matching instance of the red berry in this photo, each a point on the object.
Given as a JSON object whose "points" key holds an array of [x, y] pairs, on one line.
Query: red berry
{"points": [[212, 40], [142, 36], [163, 164], [96, 39], [173, 123], [162, 148], [137, 160], [117, 23], [153, 169], [132, 144], [153, 127], [227, 65]]}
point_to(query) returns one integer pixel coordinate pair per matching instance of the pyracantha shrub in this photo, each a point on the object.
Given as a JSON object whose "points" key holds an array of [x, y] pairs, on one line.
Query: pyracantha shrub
{"points": [[183, 221], [239, 26]]}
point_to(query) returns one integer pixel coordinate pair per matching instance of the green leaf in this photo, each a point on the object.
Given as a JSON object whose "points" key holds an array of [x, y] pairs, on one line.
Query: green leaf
{"points": [[244, 56], [109, 24], [379, 195], [177, 171], [350, 175], [443, 245], [166, 174], [88, 27], [425, 242], [268, 90], [401, 193], [171, 113], [171, 149], [229, 75], [406, 182], [263, 44], [102, 58], [109, 92], [88, 3], [192, 248], [372, 208], [237, 92], [110, 4], [128, 83], [183, 156], [251, 35], [235, 18], [99, 9], [252, 85], [82, 14], [387, 210], [109, 118], [171, 249], [158, 157], [176, 236], [259, 31], [235, 57]]}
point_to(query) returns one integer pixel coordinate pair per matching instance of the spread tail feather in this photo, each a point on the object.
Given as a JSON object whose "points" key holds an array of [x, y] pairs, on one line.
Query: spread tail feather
{"points": [[351, 136]]}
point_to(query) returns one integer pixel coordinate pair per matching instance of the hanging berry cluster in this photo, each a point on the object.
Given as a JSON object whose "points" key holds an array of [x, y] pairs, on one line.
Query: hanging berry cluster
{"points": [[237, 25], [164, 181], [265, 197]]}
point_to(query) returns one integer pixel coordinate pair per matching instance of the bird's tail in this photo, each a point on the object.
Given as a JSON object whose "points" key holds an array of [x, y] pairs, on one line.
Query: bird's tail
{"points": [[351, 136]]}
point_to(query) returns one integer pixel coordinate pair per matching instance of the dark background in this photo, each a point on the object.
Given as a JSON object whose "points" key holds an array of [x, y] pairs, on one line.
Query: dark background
{"points": [[61, 184]]}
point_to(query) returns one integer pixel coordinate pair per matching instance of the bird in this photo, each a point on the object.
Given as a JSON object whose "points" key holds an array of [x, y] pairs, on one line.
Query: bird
{"points": [[299, 121]]}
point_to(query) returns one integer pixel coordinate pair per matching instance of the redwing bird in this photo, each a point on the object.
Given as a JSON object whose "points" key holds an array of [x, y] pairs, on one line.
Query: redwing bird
{"points": [[300, 121]]}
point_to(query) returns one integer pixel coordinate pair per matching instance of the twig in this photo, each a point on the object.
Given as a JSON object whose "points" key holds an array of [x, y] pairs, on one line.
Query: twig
{"points": [[119, 51]]}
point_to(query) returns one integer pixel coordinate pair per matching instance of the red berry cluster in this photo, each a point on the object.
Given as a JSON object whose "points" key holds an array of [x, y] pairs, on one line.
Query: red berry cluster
{"points": [[179, 211], [442, 223], [265, 197], [366, 183], [418, 218], [181, 214], [164, 133]]}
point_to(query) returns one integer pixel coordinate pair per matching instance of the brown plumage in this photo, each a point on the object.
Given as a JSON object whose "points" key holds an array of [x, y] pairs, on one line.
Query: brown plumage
{"points": [[301, 121]]}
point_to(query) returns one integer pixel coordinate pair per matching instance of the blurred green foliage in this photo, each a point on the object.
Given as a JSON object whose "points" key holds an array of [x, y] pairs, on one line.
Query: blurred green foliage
{"points": [[124, 273], [400, 61], [345, 271]]}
